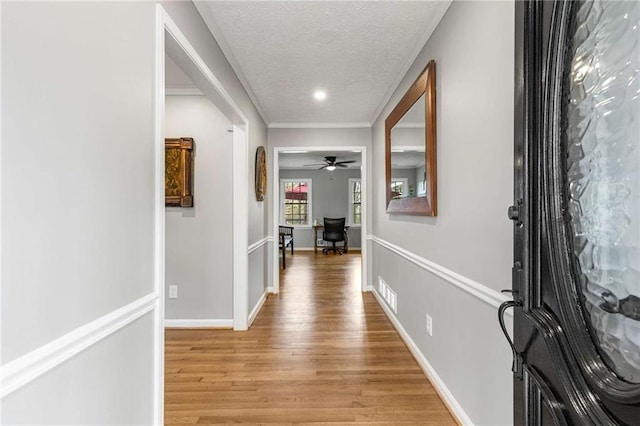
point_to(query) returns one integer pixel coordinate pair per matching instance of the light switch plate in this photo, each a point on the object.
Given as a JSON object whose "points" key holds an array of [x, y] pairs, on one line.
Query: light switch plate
{"points": [[173, 292]]}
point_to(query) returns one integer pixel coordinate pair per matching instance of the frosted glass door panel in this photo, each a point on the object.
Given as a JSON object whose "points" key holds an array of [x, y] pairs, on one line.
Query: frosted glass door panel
{"points": [[603, 181]]}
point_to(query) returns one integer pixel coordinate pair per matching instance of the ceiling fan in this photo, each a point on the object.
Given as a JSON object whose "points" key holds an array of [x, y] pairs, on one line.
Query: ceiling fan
{"points": [[330, 163]]}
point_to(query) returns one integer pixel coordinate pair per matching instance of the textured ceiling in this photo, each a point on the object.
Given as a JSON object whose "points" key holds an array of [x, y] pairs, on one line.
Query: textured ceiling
{"points": [[357, 52]]}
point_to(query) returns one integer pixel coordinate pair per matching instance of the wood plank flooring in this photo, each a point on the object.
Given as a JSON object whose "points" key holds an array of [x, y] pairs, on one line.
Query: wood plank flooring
{"points": [[321, 352]]}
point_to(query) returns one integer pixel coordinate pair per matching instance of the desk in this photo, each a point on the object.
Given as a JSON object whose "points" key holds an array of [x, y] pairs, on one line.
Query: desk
{"points": [[320, 227]]}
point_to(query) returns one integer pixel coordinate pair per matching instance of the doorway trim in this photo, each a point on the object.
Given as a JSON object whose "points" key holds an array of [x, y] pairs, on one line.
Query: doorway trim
{"points": [[275, 261], [219, 96]]}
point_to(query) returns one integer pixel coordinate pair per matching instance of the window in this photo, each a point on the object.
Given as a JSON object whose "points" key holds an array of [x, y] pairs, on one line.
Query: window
{"points": [[399, 187], [355, 202], [295, 202]]}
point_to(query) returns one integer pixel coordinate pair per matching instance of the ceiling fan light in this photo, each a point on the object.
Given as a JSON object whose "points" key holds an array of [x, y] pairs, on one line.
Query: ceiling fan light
{"points": [[331, 168]]}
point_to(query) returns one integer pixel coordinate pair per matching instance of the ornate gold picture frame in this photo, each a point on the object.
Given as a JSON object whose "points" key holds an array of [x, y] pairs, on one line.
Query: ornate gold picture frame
{"points": [[178, 176], [261, 173]]}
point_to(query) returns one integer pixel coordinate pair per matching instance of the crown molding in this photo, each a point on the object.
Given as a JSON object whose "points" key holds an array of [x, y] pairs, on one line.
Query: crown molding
{"points": [[354, 125], [430, 27], [183, 91], [210, 22]]}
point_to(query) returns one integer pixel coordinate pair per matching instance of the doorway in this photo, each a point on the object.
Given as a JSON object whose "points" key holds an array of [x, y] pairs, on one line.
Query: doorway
{"points": [[174, 44], [316, 155], [171, 42]]}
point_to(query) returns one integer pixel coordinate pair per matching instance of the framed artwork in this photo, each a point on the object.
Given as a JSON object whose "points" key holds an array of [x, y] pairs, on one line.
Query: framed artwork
{"points": [[261, 173], [178, 172]]}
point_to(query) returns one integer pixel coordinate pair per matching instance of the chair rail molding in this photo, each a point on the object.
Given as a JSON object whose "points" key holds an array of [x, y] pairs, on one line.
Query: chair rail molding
{"points": [[255, 246], [480, 291], [32, 365]]}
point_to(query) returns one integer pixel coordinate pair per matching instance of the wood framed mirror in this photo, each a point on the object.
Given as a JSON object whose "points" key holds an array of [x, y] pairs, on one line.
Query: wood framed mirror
{"points": [[410, 149]]}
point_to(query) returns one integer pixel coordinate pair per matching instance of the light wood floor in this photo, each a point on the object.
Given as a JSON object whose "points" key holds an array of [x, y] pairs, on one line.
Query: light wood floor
{"points": [[320, 352]]}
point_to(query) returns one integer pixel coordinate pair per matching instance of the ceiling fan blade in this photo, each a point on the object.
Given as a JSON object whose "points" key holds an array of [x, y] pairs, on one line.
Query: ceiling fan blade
{"points": [[341, 165], [345, 162], [310, 165], [324, 167]]}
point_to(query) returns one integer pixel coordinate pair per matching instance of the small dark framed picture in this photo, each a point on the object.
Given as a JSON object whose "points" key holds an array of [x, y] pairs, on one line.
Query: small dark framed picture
{"points": [[261, 173]]}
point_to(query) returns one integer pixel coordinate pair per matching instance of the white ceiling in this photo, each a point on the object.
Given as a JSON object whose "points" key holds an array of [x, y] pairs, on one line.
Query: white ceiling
{"points": [[357, 52]]}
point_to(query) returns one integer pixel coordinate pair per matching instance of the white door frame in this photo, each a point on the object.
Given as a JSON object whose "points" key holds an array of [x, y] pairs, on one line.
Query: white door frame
{"points": [[216, 92], [275, 269]]}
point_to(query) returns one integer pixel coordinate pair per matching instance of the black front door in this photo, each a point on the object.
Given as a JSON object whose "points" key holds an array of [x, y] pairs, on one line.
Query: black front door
{"points": [[576, 272]]}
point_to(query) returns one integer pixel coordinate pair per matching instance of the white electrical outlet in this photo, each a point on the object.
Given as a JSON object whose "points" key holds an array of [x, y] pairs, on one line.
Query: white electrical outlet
{"points": [[429, 325], [173, 292]]}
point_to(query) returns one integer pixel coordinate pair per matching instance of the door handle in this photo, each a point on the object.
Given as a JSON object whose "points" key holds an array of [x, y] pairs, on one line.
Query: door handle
{"points": [[516, 366]]}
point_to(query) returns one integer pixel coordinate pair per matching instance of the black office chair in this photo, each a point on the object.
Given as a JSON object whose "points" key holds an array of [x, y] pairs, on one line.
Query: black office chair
{"points": [[334, 232]]}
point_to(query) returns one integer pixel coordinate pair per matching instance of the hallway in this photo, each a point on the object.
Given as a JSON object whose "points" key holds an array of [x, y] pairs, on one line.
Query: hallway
{"points": [[320, 351]]}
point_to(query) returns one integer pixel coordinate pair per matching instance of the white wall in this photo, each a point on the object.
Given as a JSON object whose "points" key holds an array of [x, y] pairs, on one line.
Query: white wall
{"points": [[319, 137], [78, 200], [473, 48], [316, 137], [198, 240], [78, 210], [185, 15], [108, 384]]}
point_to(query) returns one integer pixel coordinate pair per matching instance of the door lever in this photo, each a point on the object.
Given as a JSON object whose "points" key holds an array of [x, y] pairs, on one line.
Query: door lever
{"points": [[516, 366]]}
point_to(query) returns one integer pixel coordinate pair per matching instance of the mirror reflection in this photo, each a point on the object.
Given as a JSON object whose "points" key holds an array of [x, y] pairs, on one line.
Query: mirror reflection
{"points": [[410, 149], [408, 173]]}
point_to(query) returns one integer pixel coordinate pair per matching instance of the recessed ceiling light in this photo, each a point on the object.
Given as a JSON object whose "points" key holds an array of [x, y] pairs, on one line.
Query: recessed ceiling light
{"points": [[294, 152], [320, 95]]}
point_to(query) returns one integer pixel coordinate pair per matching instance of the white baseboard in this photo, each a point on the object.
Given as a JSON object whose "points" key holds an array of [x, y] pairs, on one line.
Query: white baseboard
{"points": [[256, 309], [198, 323], [445, 394], [271, 290], [319, 249]]}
